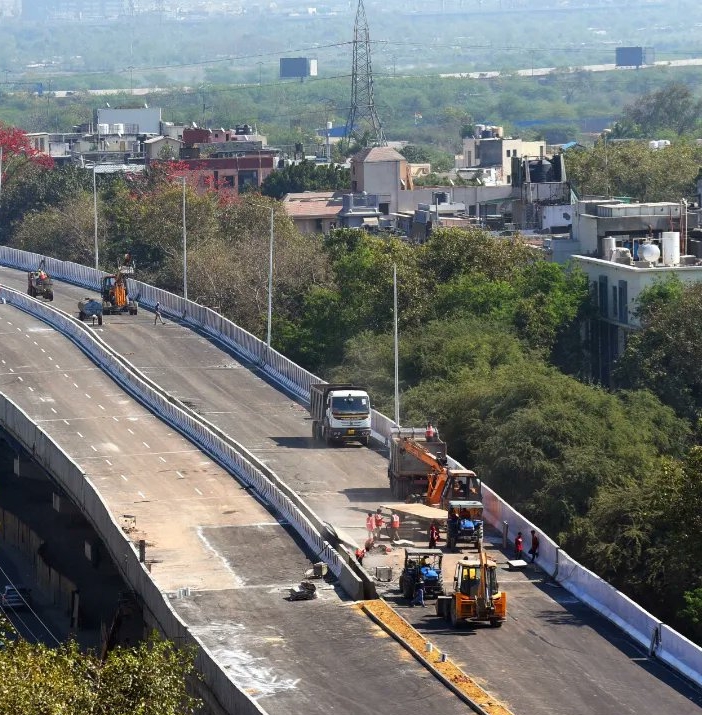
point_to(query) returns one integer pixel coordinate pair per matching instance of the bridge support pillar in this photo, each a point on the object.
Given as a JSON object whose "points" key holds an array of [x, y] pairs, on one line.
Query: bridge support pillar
{"points": [[26, 468]]}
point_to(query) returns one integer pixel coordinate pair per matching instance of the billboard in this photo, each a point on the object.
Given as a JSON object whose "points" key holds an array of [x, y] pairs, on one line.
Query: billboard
{"points": [[297, 67], [634, 56]]}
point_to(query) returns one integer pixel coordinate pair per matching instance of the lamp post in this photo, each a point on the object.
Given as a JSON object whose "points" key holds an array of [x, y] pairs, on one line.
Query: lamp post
{"points": [[397, 352], [95, 215], [185, 247], [0, 174], [270, 283]]}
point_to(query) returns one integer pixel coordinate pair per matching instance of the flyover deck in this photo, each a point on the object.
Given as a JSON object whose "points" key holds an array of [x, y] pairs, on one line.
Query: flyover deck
{"points": [[206, 532], [550, 642]]}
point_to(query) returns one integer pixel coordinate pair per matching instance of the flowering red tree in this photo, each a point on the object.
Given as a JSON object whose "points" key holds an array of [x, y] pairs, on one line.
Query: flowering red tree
{"points": [[17, 152]]}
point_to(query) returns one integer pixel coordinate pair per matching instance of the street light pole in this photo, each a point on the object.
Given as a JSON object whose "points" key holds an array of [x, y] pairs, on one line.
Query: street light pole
{"points": [[0, 174], [95, 215], [397, 352], [270, 283], [185, 248]]}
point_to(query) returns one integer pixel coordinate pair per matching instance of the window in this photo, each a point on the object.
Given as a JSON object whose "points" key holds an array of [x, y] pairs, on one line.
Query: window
{"points": [[509, 179], [603, 296], [615, 311], [623, 302], [247, 178], [508, 153]]}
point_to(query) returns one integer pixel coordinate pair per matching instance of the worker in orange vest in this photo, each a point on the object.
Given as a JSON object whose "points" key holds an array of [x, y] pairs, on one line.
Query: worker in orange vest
{"points": [[379, 522], [394, 527], [370, 525]]}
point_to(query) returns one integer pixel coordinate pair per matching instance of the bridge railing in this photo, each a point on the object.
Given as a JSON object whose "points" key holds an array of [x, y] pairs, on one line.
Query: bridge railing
{"points": [[665, 643]]}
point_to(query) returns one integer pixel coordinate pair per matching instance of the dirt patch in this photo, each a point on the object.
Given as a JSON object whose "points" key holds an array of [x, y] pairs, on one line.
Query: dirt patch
{"points": [[415, 642]]}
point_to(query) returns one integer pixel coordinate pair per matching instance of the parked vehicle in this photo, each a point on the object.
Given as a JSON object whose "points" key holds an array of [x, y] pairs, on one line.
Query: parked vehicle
{"points": [[422, 565], [16, 598]]}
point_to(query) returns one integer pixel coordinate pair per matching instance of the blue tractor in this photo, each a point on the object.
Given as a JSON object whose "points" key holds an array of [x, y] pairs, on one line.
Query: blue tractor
{"points": [[422, 565]]}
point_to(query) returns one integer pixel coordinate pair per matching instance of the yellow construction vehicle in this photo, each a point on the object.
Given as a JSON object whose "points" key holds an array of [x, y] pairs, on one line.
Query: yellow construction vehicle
{"points": [[476, 596], [115, 295]]}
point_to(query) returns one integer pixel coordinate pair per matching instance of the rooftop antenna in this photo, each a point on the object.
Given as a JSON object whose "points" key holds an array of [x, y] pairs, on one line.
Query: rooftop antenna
{"points": [[362, 112]]}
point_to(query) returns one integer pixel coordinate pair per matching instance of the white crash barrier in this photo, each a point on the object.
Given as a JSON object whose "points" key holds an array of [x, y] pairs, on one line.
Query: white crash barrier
{"points": [[613, 605], [232, 697]]}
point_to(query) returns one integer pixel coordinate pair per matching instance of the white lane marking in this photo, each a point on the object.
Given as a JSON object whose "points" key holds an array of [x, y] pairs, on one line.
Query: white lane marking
{"points": [[108, 461], [93, 447], [31, 389], [4, 363], [20, 379], [42, 399], [80, 435], [115, 419], [11, 370], [20, 329], [58, 367], [65, 375], [42, 349], [162, 459], [198, 491], [180, 476], [74, 385], [35, 342], [87, 395], [54, 411], [67, 422], [141, 494], [146, 445], [123, 477], [130, 431], [9, 323], [101, 407], [50, 358]]}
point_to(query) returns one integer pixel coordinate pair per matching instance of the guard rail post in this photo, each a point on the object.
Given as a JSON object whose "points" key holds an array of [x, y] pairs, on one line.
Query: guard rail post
{"points": [[505, 534]]}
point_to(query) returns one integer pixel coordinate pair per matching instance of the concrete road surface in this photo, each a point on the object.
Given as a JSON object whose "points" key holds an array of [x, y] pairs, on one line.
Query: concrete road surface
{"points": [[553, 654], [206, 532]]}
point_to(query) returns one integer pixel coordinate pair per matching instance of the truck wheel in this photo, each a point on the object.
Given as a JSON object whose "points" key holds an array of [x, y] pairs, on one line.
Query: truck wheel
{"points": [[495, 622], [407, 589], [365, 441]]}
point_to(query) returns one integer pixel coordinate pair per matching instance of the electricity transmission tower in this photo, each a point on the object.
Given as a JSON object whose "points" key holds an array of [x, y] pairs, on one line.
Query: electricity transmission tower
{"points": [[363, 116]]}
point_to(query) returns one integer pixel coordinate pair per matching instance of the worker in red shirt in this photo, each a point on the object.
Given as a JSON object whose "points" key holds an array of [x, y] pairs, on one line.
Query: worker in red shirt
{"points": [[534, 550], [433, 535], [430, 434], [519, 546]]}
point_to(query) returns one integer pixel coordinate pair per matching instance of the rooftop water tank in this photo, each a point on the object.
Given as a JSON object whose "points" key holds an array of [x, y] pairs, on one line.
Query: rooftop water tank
{"points": [[670, 240], [540, 171], [649, 252]]}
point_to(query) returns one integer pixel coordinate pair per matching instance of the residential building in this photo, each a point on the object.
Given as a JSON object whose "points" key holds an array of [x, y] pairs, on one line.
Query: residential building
{"points": [[488, 148], [321, 211], [624, 249], [380, 171]]}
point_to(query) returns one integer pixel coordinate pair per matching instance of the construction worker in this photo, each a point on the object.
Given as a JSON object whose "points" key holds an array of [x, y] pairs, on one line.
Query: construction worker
{"points": [[379, 522], [360, 553], [534, 550], [433, 535], [453, 526], [157, 313], [419, 595], [394, 526], [430, 433], [519, 546], [370, 525]]}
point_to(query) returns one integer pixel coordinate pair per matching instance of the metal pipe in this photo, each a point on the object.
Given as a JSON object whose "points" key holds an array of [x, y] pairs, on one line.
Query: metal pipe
{"points": [[270, 283], [397, 352], [95, 215], [185, 248]]}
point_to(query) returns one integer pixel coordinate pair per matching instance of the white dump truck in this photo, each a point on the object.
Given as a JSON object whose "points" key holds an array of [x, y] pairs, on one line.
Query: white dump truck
{"points": [[340, 413]]}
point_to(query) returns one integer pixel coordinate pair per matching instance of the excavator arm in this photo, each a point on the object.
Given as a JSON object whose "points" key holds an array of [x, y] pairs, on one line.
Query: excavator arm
{"points": [[437, 471]]}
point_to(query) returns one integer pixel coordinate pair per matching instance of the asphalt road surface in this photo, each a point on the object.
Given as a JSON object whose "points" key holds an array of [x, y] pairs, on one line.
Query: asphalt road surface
{"points": [[206, 532], [553, 656]]}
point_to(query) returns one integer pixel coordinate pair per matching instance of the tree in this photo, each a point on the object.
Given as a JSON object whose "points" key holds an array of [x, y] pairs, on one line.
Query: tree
{"points": [[149, 679], [664, 355], [306, 176], [671, 108]]}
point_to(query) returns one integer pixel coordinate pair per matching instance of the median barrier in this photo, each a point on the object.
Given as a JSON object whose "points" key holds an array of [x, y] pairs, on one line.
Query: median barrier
{"points": [[573, 576]]}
